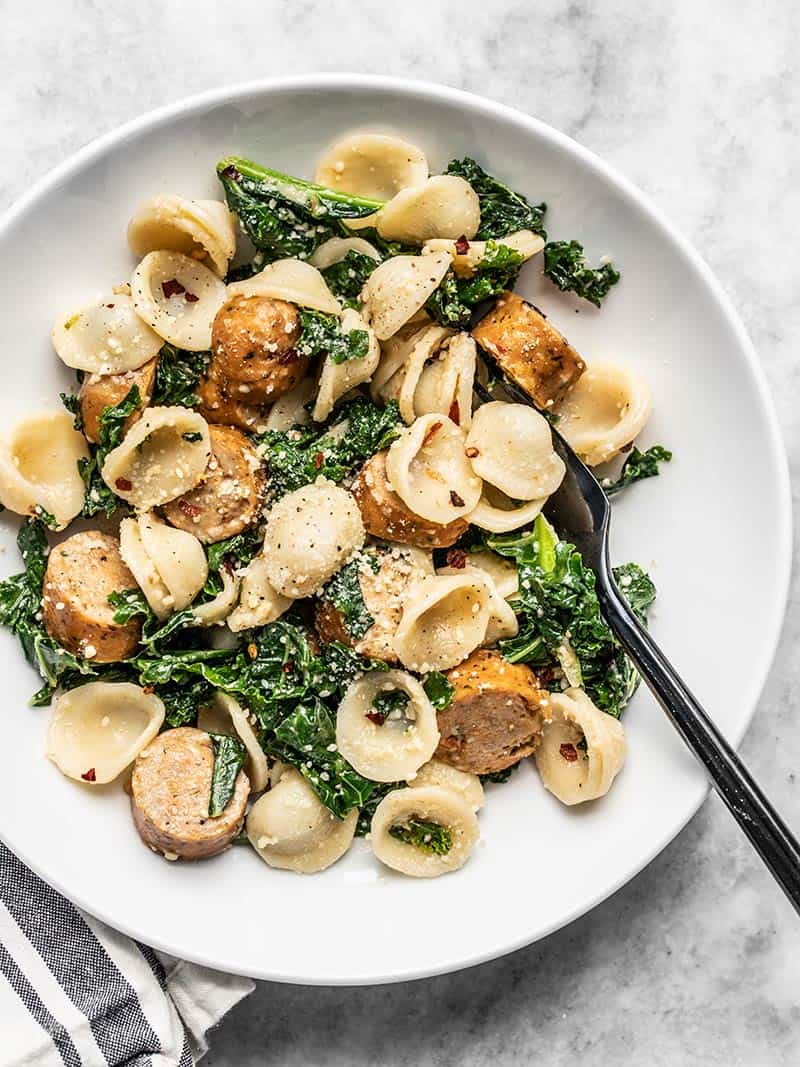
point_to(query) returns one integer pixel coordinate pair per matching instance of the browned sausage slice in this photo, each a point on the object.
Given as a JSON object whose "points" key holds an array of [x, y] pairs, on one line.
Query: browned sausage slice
{"points": [[495, 716], [170, 791], [81, 572], [386, 516], [253, 348], [99, 391], [217, 407], [229, 497], [530, 351]]}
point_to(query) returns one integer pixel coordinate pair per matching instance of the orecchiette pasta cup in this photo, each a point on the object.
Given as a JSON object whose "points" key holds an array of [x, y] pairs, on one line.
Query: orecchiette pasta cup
{"points": [[398, 289], [259, 602], [430, 804], [462, 783], [373, 165], [510, 446], [443, 206], [444, 619], [200, 229], [402, 386], [336, 379], [292, 280], [335, 249], [392, 748], [107, 337], [178, 298]]}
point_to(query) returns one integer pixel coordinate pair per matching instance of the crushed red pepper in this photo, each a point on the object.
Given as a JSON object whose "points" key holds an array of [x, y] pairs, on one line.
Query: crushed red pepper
{"points": [[462, 245], [123, 484], [378, 717], [457, 557], [431, 433], [455, 499], [89, 776], [569, 752]]}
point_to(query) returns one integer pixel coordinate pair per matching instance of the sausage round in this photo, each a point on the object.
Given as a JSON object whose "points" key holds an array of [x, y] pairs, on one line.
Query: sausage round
{"points": [[495, 717], [253, 348], [386, 516], [170, 791], [99, 391], [80, 574], [217, 407], [229, 497]]}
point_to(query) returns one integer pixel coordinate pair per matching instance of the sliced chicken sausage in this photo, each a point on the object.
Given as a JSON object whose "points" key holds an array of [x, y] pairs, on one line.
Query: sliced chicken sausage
{"points": [[253, 349], [530, 351], [81, 573], [386, 516], [495, 717], [170, 791], [229, 497], [99, 391]]}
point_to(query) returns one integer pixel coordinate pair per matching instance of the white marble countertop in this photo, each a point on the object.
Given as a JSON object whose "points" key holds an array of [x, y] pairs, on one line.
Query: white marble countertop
{"points": [[695, 961]]}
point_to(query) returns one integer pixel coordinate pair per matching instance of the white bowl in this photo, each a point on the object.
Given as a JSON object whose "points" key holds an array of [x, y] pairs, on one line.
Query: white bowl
{"points": [[714, 530]]}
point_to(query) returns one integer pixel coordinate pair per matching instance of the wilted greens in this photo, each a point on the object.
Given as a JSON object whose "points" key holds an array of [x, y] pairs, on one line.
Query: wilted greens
{"points": [[637, 466]]}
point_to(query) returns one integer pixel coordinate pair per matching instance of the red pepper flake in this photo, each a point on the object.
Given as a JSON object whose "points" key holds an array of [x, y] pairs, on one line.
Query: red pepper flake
{"points": [[288, 666], [189, 509], [378, 717], [191, 298], [431, 433], [472, 452], [124, 485], [109, 305], [462, 245], [627, 448], [231, 173], [90, 776], [227, 566], [148, 689], [569, 752], [318, 460], [454, 414], [455, 499], [172, 288], [457, 558]]}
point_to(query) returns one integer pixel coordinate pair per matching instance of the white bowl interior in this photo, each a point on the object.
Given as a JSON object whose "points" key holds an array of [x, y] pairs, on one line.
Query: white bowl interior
{"points": [[713, 530]]}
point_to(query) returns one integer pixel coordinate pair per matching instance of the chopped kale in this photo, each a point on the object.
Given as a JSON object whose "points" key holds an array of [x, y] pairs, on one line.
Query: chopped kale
{"points": [[322, 335], [430, 837], [111, 428], [385, 703], [637, 466], [178, 374], [229, 753], [73, 405], [453, 302], [346, 278], [381, 790], [565, 266], [439, 689], [498, 777], [502, 210], [45, 517], [344, 592]]}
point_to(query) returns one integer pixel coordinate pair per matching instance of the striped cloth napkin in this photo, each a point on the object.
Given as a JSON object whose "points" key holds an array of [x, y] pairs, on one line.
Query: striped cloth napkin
{"points": [[74, 992]]}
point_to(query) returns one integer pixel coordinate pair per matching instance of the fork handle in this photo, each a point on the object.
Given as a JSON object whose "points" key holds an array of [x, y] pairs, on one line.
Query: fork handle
{"points": [[767, 832]]}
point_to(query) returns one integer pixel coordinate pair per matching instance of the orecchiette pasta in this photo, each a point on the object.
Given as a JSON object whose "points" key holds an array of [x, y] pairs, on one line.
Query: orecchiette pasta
{"points": [[107, 337], [310, 534], [335, 249], [445, 384], [502, 620], [403, 385], [336, 379], [162, 456], [97, 730], [201, 229], [169, 565], [444, 619], [582, 750], [444, 206], [217, 610], [39, 466], [525, 243], [604, 411], [290, 409], [502, 571], [292, 280], [429, 471], [399, 287], [290, 828], [510, 446], [178, 298], [224, 715], [497, 514], [259, 603], [372, 165], [462, 783], [432, 805], [386, 746]]}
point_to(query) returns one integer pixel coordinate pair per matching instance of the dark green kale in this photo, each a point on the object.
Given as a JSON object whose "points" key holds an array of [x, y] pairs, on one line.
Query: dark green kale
{"points": [[285, 216], [178, 374], [565, 265], [445, 305], [560, 623], [73, 406], [322, 335], [498, 777], [430, 837], [385, 703], [111, 428], [346, 278], [502, 210], [20, 612], [344, 592], [637, 466], [237, 550], [453, 302], [381, 790], [46, 518], [298, 457], [439, 690], [229, 753], [130, 603], [183, 702]]}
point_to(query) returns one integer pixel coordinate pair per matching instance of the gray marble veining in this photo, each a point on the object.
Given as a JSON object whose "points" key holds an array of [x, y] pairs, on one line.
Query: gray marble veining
{"points": [[697, 960]]}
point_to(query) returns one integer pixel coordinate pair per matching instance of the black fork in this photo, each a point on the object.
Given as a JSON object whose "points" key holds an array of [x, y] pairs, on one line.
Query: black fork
{"points": [[581, 513]]}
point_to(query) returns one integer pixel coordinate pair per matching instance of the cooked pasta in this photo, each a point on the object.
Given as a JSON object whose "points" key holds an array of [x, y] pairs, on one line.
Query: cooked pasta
{"points": [[466, 261], [169, 565], [335, 249], [444, 619], [443, 206], [224, 715], [291, 280], [39, 473], [438, 818], [202, 229], [178, 298], [259, 603], [511, 448], [374, 165], [107, 337], [337, 379], [398, 289], [465, 785]]}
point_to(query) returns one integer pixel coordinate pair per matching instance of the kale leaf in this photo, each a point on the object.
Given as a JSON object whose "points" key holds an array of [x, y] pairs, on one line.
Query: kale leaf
{"points": [[565, 265], [439, 690], [178, 373], [344, 592], [346, 278], [111, 429], [498, 777], [502, 210], [285, 216], [381, 790], [452, 303], [637, 466], [229, 753], [322, 335], [72, 403], [430, 837]]}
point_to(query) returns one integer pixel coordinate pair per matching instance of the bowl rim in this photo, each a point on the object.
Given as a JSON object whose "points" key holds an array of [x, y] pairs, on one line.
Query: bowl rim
{"points": [[470, 102]]}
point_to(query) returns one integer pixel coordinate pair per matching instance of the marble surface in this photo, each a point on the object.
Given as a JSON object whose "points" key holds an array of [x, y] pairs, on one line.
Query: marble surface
{"points": [[697, 960]]}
